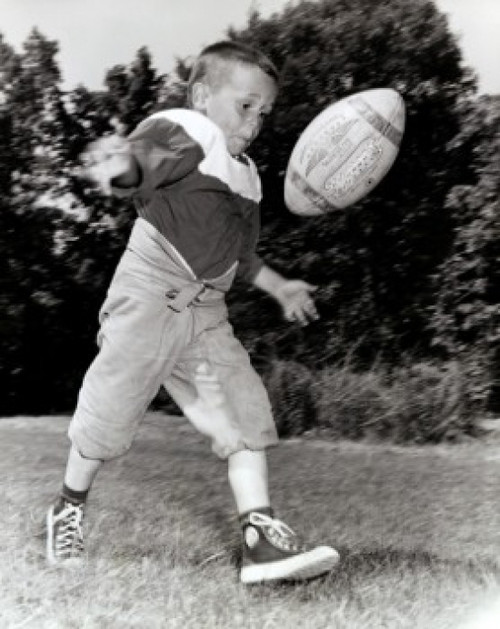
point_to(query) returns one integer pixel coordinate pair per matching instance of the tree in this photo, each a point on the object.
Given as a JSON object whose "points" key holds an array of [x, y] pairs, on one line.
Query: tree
{"points": [[42, 207], [379, 264], [375, 260], [173, 87], [466, 317], [30, 106], [58, 280], [133, 91]]}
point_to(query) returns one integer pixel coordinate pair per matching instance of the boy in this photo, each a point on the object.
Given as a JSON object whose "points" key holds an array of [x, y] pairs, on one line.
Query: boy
{"points": [[164, 320]]}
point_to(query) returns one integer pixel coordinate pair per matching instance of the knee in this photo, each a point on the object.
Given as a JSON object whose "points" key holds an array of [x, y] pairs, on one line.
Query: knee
{"points": [[101, 445]]}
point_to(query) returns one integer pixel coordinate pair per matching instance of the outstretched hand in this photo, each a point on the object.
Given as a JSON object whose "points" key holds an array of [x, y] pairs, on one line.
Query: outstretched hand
{"points": [[297, 302]]}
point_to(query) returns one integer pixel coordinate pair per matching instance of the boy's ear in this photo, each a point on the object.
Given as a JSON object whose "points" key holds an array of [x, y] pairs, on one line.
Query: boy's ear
{"points": [[199, 95]]}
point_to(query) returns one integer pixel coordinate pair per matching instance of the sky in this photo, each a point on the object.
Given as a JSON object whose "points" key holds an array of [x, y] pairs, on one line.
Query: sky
{"points": [[95, 35]]}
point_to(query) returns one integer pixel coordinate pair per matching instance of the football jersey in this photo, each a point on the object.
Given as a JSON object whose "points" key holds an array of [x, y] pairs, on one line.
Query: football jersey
{"points": [[204, 201]]}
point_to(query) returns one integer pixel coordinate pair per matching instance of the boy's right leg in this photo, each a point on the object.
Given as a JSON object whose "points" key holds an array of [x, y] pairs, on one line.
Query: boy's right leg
{"points": [[116, 391], [80, 471], [64, 541]]}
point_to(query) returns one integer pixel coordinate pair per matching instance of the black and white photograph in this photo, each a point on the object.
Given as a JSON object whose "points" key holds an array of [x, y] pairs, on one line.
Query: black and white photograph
{"points": [[250, 314]]}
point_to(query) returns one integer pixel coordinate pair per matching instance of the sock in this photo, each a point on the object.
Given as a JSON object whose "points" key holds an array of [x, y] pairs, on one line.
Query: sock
{"points": [[76, 497], [264, 510]]}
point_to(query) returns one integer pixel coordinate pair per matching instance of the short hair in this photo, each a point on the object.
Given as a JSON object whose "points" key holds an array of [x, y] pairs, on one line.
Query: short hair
{"points": [[208, 67]]}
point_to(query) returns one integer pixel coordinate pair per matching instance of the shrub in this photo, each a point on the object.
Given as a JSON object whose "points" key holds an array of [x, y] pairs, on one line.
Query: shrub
{"points": [[419, 403], [289, 387], [433, 403], [352, 405]]}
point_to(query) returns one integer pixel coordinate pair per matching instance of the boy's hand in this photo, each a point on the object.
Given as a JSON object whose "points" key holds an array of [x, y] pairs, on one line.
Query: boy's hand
{"points": [[297, 302], [294, 296], [106, 159]]}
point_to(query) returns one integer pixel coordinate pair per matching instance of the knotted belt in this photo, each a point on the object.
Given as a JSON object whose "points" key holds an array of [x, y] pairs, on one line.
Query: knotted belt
{"points": [[181, 298]]}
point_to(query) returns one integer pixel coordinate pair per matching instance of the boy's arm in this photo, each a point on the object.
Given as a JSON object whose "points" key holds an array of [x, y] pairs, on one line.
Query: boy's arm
{"points": [[294, 296], [109, 163], [158, 152]]}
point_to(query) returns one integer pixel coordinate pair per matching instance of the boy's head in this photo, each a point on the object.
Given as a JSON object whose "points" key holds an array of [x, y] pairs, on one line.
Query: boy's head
{"points": [[235, 86]]}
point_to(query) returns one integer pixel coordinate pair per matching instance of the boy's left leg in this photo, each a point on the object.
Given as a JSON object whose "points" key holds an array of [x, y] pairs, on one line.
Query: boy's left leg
{"points": [[248, 479], [222, 395], [272, 551]]}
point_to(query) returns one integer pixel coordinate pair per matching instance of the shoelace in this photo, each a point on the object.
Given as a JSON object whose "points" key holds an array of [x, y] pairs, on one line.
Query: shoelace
{"points": [[69, 536], [279, 532]]}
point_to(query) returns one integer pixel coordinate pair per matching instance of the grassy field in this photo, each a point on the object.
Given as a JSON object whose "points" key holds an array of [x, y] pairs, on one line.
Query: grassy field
{"points": [[418, 531]]}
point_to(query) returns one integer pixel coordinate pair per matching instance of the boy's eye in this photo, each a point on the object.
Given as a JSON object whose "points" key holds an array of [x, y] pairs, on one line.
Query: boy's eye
{"points": [[249, 106]]}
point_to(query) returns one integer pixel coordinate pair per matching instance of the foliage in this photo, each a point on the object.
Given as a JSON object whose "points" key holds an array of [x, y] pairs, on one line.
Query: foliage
{"points": [[433, 403], [350, 404], [34, 125], [410, 270], [133, 91], [374, 261], [61, 240], [466, 317], [289, 387], [418, 403]]}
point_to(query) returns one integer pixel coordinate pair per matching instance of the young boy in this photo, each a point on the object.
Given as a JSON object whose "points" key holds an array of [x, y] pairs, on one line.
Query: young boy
{"points": [[164, 321]]}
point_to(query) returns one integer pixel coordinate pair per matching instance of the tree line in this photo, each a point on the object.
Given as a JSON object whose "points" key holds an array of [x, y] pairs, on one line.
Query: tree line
{"points": [[409, 272]]}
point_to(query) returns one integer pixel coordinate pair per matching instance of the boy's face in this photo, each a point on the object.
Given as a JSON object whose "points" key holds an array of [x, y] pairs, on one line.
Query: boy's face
{"points": [[239, 104]]}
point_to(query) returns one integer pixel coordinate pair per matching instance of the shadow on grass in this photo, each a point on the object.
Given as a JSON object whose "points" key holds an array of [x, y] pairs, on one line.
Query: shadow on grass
{"points": [[366, 562], [358, 569]]}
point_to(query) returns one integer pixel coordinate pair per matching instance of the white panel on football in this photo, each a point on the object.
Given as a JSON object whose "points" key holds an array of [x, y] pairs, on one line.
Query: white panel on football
{"points": [[345, 152]]}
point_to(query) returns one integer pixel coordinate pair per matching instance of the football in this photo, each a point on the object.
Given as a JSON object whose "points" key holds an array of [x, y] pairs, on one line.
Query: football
{"points": [[344, 152]]}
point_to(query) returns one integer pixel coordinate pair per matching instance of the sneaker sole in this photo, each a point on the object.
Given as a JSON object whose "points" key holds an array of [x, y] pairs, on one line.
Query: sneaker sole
{"points": [[49, 532], [299, 567]]}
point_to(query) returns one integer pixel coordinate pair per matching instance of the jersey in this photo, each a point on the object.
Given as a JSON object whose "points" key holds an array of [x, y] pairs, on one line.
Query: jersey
{"points": [[204, 201]]}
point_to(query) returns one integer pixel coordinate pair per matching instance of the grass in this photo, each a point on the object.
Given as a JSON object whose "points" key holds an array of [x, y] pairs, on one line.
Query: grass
{"points": [[418, 530]]}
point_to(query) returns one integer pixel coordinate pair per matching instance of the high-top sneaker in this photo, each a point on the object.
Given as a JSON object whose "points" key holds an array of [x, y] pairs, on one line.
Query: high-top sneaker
{"points": [[272, 551], [64, 533]]}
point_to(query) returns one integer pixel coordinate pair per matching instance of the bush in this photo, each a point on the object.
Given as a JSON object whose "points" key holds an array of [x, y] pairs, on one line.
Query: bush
{"points": [[353, 405], [432, 403], [289, 386], [419, 403]]}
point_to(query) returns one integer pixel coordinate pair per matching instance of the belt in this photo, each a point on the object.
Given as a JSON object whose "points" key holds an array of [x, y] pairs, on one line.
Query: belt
{"points": [[183, 297]]}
